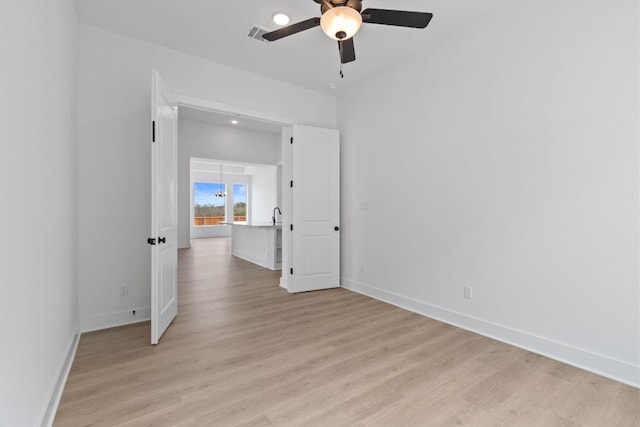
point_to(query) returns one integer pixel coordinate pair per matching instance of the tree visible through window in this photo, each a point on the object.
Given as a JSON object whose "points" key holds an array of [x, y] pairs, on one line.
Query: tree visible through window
{"points": [[239, 202], [207, 208]]}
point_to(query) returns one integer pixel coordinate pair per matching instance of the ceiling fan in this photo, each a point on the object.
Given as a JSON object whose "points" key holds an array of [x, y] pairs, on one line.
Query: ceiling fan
{"points": [[341, 20]]}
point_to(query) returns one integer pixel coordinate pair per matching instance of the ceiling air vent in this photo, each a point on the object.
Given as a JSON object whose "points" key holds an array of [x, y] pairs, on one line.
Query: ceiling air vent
{"points": [[256, 32]]}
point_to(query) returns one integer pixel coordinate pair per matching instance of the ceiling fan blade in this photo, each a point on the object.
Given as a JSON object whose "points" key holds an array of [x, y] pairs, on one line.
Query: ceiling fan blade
{"points": [[291, 29], [347, 50], [399, 18]]}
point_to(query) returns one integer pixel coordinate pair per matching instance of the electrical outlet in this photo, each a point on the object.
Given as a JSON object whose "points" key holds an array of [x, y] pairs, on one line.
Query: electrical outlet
{"points": [[124, 289], [468, 292]]}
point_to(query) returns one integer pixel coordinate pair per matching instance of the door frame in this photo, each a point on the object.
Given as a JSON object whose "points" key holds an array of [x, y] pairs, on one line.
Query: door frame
{"points": [[287, 132]]}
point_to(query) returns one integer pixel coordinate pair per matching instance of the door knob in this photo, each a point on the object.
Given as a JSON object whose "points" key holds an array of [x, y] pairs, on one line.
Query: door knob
{"points": [[336, 228], [162, 240]]}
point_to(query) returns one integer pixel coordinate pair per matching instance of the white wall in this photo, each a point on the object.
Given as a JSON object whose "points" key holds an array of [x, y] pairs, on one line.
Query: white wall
{"points": [[505, 158], [38, 176], [263, 193], [209, 141], [114, 155]]}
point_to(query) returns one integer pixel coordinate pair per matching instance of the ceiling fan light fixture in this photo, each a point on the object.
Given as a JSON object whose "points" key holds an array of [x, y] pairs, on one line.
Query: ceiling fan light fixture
{"points": [[341, 23], [280, 18]]}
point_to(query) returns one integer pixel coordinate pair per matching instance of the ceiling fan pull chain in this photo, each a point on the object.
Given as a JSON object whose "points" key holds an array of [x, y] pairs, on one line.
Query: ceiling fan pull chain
{"points": [[341, 53]]}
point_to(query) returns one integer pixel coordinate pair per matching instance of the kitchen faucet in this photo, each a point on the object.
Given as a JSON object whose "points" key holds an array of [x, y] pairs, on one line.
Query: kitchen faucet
{"points": [[273, 218]]}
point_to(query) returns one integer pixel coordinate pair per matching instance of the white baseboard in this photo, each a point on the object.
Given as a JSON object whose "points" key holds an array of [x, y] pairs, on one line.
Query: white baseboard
{"points": [[262, 262], [58, 388], [284, 282], [617, 370], [111, 320]]}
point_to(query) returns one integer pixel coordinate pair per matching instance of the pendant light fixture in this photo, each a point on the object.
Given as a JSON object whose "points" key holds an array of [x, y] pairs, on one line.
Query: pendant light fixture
{"points": [[341, 23], [221, 193]]}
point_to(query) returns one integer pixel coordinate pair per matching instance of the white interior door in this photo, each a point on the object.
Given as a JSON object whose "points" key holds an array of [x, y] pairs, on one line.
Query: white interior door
{"points": [[315, 209], [164, 208]]}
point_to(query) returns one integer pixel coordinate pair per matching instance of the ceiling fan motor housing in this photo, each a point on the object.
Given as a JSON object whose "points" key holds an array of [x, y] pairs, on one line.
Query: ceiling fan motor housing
{"points": [[330, 4]]}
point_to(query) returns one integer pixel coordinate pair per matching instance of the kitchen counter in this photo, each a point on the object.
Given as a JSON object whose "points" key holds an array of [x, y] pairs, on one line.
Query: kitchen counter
{"points": [[259, 243], [278, 225]]}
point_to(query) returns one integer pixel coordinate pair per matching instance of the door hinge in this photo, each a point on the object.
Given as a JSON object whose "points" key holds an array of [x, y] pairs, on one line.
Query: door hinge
{"points": [[291, 270], [151, 241], [291, 184], [291, 140], [153, 131], [291, 226]]}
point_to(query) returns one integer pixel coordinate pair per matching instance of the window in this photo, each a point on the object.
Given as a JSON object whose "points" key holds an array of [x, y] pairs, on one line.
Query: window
{"points": [[208, 209], [239, 202]]}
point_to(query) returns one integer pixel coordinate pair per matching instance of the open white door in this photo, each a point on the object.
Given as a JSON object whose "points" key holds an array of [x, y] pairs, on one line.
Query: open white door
{"points": [[315, 209], [164, 208]]}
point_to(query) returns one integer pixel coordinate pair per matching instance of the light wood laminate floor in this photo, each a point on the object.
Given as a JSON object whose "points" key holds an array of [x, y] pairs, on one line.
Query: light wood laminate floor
{"points": [[244, 352]]}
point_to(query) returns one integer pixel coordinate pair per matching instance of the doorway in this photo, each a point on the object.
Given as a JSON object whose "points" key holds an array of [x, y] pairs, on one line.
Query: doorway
{"points": [[236, 128], [317, 196]]}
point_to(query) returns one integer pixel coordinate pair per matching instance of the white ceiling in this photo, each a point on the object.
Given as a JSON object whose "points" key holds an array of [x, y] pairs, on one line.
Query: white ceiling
{"points": [[198, 164], [222, 119], [217, 30]]}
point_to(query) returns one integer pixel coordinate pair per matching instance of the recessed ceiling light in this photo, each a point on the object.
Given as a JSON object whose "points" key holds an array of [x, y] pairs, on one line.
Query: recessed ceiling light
{"points": [[280, 18], [234, 122]]}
